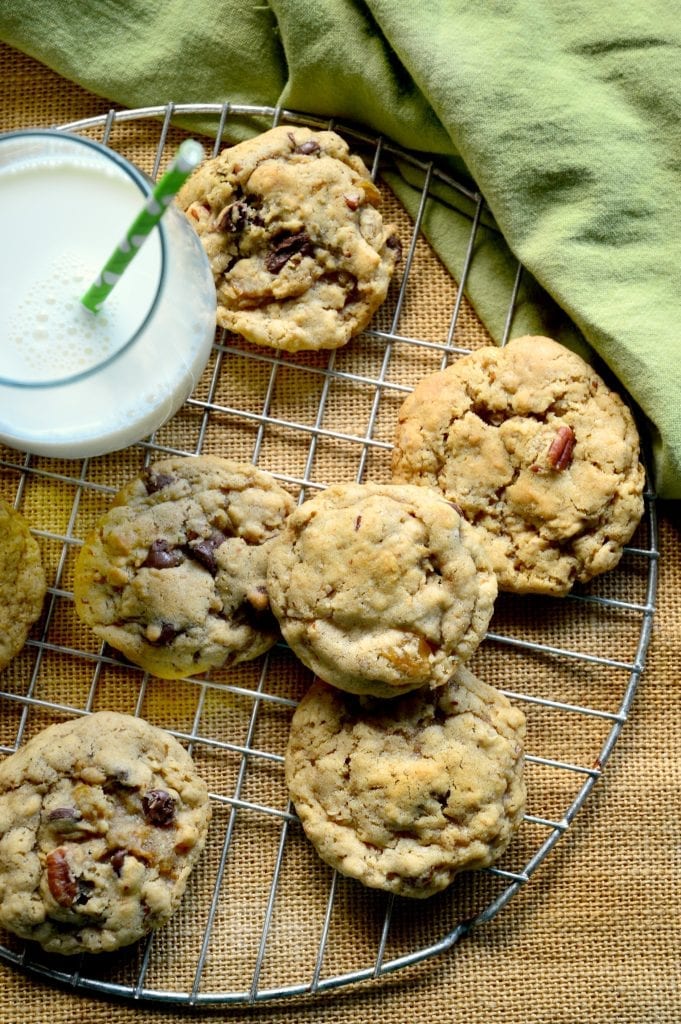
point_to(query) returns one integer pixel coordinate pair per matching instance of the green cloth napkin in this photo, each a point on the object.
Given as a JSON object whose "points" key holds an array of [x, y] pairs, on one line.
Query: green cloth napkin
{"points": [[567, 114]]}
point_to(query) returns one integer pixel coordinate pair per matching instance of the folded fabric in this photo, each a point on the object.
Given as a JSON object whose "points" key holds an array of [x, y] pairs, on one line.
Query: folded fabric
{"points": [[564, 112]]}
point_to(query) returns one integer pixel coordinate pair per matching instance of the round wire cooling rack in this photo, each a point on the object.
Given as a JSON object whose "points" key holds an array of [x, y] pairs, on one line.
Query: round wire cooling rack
{"points": [[263, 918]]}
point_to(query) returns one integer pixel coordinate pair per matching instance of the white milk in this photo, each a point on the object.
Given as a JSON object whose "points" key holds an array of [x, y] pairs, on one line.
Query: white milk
{"points": [[75, 383]]}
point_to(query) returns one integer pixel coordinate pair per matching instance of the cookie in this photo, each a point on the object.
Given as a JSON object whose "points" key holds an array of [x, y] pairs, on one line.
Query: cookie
{"points": [[102, 819], [538, 451], [404, 794], [380, 589], [22, 582], [291, 226], [173, 575]]}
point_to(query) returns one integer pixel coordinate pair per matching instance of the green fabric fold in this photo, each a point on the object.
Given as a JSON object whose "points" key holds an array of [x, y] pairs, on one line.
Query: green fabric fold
{"points": [[565, 113]]}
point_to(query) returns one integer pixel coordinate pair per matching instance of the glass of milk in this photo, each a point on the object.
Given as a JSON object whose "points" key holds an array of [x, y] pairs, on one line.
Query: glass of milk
{"points": [[75, 383]]}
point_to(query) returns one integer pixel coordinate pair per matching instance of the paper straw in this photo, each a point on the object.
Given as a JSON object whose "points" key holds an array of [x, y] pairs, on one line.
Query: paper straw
{"points": [[189, 155]]}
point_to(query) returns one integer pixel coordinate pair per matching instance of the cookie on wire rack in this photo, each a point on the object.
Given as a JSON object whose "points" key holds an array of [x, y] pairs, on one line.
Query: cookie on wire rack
{"points": [[535, 448], [380, 589], [22, 582], [102, 819], [291, 225], [173, 575], [404, 794]]}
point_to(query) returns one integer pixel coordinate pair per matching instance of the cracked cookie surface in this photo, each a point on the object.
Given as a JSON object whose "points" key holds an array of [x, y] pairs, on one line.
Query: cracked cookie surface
{"points": [[536, 449], [404, 794], [22, 582], [102, 819], [173, 575], [298, 248], [381, 589]]}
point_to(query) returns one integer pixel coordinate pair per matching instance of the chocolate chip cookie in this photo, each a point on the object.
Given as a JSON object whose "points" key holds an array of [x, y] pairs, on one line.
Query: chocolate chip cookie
{"points": [[290, 222], [22, 582], [538, 451], [173, 575], [102, 819], [404, 794], [380, 589]]}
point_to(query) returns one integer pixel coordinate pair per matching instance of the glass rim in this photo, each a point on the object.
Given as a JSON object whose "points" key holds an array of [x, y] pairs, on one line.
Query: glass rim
{"points": [[145, 185]]}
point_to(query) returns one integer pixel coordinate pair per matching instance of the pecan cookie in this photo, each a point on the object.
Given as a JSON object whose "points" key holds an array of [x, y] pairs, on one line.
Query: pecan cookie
{"points": [[404, 794], [537, 450], [380, 589], [173, 575], [290, 222], [102, 819], [22, 582]]}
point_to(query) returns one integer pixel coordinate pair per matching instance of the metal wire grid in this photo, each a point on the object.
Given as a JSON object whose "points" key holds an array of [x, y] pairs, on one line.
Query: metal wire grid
{"points": [[84, 976]]}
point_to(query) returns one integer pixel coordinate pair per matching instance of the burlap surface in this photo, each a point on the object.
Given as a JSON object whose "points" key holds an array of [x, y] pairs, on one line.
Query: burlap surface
{"points": [[594, 936]]}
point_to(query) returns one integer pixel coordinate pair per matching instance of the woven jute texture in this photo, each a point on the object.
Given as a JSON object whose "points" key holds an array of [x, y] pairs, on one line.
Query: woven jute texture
{"points": [[594, 935]]}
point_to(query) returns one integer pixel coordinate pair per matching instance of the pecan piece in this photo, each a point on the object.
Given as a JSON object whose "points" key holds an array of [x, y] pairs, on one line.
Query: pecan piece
{"points": [[60, 878], [562, 447]]}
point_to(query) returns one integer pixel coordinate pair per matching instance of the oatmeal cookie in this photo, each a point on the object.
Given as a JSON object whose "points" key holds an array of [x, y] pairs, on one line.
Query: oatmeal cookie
{"points": [[22, 582], [380, 589], [299, 251], [173, 575], [404, 794], [538, 451], [102, 819]]}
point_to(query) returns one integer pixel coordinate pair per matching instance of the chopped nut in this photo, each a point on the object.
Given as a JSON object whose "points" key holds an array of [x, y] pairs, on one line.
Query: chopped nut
{"points": [[60, 879], [562, 447]]}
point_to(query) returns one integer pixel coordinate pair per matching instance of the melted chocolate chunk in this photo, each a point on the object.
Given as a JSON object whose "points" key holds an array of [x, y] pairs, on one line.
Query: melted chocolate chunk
{"points": [[156, 481], [234, 217], [162, 556], [239, 214], [284, 247], [203, 552], [158, 807]]}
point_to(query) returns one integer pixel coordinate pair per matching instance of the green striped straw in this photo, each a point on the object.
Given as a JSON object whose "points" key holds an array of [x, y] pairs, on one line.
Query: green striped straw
{"points": [[189, 155]]}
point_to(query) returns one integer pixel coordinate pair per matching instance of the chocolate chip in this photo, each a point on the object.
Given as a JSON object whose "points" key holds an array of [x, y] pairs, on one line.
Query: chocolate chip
{"points": [[233, 218], [284, 247], [117, 859], [64, 814], [203, 552], [85, 889], [394, 243], [162, 556], [163, 635], [156, 481], [306, 148], [158, 807]]}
